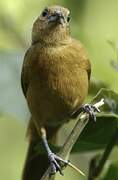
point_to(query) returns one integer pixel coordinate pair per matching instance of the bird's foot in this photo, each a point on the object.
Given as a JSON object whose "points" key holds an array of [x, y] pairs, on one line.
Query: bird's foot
{"points": [[56, 163], [87, 108], [91, 110]]}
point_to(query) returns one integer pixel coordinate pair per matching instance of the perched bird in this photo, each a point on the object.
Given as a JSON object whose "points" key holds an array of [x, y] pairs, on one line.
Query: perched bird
{"points": [[55, 78]]}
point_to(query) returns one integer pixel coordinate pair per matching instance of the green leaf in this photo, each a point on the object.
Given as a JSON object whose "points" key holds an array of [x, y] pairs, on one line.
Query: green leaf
{"points": [[96, 135], [112, 172]]}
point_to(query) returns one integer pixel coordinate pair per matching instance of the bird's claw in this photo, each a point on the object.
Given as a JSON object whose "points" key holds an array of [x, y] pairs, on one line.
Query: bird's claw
{"points": [[91, 110], [55, 166]]}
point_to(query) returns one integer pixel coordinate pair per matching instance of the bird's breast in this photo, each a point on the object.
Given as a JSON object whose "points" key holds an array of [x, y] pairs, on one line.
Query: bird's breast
{"points": [[59, 85]]}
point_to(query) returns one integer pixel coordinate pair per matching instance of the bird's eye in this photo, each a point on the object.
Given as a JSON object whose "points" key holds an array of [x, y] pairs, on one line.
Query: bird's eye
{"points": [[45, 13], [68, 18]]}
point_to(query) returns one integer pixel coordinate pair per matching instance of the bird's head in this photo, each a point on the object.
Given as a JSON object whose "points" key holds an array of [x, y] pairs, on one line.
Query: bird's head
{"points": [[52, 26]]}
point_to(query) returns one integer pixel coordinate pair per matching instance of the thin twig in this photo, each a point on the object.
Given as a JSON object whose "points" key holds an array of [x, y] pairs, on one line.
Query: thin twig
{"points": [[75, 168]]}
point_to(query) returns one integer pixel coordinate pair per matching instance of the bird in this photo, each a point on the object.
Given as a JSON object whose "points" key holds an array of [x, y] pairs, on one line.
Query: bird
{"points": [[55, 79]]}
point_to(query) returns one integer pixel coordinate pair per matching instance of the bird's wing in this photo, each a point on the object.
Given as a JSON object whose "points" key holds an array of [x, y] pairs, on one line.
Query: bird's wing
{"points": [[25, 73], [88, 68]]}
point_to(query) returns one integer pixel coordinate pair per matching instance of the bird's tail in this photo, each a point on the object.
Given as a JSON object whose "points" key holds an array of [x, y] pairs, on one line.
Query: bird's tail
{"points": [[36, 164]]}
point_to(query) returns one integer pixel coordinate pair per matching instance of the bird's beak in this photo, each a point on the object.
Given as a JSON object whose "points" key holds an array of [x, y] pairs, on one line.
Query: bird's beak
{"points": [[57, 17]]}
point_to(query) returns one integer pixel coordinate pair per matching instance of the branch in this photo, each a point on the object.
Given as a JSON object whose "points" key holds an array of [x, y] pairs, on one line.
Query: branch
{"points": [[72, 138]]}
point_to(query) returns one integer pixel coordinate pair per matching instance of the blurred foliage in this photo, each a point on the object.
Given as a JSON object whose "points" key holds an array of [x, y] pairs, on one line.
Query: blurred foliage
{"points": [[96, 85], [112, 172], [114, 62], [11, 98], [95, 24], [12, 146]]}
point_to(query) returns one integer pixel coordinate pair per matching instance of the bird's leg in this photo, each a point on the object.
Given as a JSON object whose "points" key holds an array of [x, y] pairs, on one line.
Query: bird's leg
{"points": [[87, 108], [53, 158]]}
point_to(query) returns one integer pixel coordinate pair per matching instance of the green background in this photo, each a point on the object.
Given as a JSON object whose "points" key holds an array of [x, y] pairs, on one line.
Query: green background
{"points": [[94, 23]]}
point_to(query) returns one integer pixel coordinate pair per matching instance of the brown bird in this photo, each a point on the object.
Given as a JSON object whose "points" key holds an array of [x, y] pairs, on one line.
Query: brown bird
{"points": [[55, 78]]}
